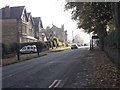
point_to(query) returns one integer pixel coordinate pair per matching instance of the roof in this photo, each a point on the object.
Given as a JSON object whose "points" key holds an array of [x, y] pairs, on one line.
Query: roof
{"points": [[28, 14], [15, 12], [55, 28], [37, 20], [31, 18]]}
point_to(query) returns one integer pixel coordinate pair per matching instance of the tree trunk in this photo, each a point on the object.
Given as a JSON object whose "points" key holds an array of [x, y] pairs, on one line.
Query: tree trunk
{"points": [[102, 33], [18, 55], [18, 52], [102, 44], [116, 14], [38, 52]]}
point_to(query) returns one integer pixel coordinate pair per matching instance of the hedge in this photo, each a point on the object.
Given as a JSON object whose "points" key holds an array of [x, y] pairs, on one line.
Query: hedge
{"points": [[39, 45], [9, 48], [49, 44], [12, 48]]}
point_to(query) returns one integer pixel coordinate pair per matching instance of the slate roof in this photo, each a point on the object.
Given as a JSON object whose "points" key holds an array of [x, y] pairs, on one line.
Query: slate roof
{"points": [[15, 12], [37, 20], [29, 15], [57, 28]]}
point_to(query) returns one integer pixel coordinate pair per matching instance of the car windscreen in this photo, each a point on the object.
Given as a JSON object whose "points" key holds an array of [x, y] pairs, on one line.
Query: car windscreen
{"points": [[73, 45], [23, 48]]}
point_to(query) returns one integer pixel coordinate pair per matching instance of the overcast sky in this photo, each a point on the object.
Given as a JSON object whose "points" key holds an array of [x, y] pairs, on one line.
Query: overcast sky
{"points": [[50, 11]]}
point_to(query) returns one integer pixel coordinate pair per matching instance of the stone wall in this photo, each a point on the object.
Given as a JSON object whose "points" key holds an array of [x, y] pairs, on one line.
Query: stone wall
{"points": [[9, 31]]}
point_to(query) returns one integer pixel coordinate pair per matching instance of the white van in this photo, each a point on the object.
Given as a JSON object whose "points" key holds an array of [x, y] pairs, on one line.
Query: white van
{"points": [[29, 49]]}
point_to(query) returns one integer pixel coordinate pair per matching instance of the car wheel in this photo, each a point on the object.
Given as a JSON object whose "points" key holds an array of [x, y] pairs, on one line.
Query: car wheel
{"points": [[31, 51]]}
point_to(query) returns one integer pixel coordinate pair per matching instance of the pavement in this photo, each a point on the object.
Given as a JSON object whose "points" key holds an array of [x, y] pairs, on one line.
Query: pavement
{"points": [[95, 71]]}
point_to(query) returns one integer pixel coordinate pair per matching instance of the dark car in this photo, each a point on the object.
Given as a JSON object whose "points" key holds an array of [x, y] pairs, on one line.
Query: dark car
{"points": [[74, 46]]}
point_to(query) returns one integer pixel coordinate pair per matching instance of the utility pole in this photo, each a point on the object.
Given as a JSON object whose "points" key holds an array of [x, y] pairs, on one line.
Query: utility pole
{"points": [[91, 41], [72, 35]]}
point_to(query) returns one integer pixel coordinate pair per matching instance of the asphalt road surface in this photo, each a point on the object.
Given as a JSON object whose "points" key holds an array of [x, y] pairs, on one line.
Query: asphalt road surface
{"points": [[53, 70]]}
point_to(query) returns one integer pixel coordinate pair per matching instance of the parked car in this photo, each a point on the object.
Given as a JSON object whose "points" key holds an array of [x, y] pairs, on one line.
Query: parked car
{"points": [[78, 45], [29, 49], [74, 46]]}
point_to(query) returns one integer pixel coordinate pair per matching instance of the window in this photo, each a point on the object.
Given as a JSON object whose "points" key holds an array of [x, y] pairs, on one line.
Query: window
{"points": [[20, 39], [24, 48], [20, 27], [28, 48]]}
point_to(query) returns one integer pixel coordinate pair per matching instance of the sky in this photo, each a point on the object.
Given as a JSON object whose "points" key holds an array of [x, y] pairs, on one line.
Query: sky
{"points": [[51, 12]]}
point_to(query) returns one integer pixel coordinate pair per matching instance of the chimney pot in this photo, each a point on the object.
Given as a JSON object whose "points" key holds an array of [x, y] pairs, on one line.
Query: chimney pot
{"points": [[62, 26], [7, 11]]}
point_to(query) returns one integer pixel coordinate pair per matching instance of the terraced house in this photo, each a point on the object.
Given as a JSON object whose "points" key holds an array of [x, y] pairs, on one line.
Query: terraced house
{"points": [[19, 26], [38, 27]]}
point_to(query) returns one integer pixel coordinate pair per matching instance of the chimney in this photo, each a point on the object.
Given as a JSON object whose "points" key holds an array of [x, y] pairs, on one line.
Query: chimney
{"points": [[7, 11], [62, 27]]}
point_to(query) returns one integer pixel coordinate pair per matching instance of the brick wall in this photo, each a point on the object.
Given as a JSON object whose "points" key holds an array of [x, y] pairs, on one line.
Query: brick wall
{"points": [[9, 31], [0, 31]]}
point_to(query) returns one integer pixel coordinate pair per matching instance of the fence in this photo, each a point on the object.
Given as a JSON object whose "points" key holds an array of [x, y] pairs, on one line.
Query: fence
{"points": [[112, 46]]}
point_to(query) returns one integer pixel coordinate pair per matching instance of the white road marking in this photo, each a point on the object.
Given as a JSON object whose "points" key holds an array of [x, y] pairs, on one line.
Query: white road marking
{"points": [[55, 84], [58, 83]]}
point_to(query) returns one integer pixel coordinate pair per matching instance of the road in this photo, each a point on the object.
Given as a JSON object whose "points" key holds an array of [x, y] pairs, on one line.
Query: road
{"points": [[48, 71]]}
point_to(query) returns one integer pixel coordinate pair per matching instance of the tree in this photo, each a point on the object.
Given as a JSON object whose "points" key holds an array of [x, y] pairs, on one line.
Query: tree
{"points": [[116, 14], [78, 39], [91, 16]]}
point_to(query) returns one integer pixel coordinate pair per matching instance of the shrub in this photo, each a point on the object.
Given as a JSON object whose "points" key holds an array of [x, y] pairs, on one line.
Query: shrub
{"points": [[56, 41], [48, 43], [60, 44]]}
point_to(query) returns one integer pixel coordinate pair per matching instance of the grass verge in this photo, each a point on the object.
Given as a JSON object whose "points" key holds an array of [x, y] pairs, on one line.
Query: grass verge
{"points": [[23, 58], [61, 49]]}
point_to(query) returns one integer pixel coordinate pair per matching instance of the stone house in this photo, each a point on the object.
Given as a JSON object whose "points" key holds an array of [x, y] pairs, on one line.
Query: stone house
{"points": [[59, 33], [49, 33], [38, 28], [18, 25], [30, 29]]}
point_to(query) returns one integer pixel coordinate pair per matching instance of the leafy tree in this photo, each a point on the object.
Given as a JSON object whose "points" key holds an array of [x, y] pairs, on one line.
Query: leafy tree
{"points": [[78, 39], [116, 14], [91, 16]]}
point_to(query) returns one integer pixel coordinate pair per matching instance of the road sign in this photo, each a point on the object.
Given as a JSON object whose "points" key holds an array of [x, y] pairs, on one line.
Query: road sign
{"points": [[95, 37]]}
